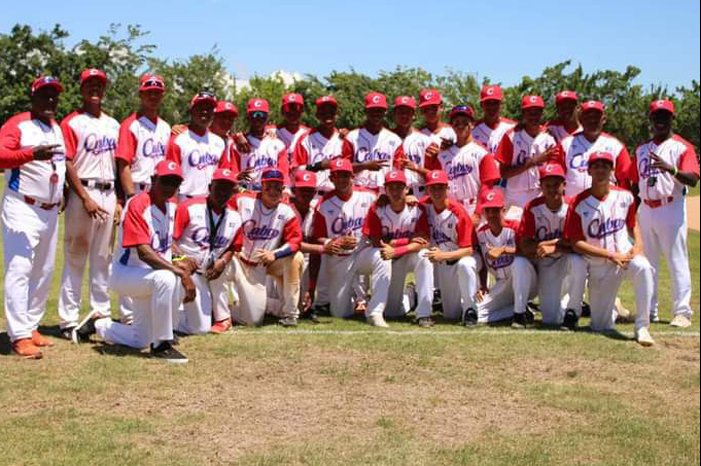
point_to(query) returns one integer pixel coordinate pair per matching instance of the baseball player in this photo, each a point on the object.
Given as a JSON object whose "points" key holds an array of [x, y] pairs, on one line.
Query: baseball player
{"points": [[469, 165], [205, 229], [664, 167], [539, 237], [431, 107], [270, 240], [91, 140], [143, 138], [143, 269], [575, 150], [292, 129], [401, 233], [338, 223], [522, 150], [599, 225], [489, 130], [451, 250], [415, 144], [515, 275], [32, 153], [372, 149], [198, 150], [266, 151], [567, 122]]}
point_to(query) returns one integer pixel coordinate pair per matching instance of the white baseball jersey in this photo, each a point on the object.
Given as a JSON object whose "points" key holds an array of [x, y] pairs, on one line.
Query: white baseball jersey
{"points": [[676, 151], [443, 132], [265, 153], [306, 222], [396, 227], [515, 148], [542, 224], [200, 237], [267, 229], [491, 137], [145, 223], [40, 180], [501, 266], [602, 222], [142, 144], [290, 139], [559, 131], [575, 151], [414, 148], [335, 217], [451, 228], [312, 148], [360, 145], [91, 143], [199, 155], [469, 168]]}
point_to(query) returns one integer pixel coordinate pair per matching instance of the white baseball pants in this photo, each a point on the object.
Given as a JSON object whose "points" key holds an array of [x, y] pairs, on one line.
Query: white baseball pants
{"points": [[557, 277], [212, 297], [509, 295], [423, 274], [458, 285]]}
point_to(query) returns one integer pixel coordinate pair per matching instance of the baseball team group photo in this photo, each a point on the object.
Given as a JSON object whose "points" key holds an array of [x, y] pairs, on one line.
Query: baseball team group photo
{"points": [[401, 267]]}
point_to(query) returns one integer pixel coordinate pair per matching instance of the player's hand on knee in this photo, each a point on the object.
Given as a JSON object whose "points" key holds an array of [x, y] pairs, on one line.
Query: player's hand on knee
{"points": [[386, 251], [215, 270], [494, 253], [94, 210], [621, 260], [44, 151], [435, 255], [545, 250], [481, 294], [264, 256], [332, 248], [190, 289]]}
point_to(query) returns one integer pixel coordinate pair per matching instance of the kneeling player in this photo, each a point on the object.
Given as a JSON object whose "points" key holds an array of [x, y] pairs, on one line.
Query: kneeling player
{"points": [[599, 225]]}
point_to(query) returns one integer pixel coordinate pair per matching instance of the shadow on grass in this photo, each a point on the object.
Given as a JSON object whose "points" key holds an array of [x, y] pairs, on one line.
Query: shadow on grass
{"points": [[5, 346], [118, 351]]}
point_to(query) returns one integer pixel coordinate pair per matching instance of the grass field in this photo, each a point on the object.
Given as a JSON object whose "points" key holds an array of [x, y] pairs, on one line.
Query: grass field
{"points": [[341, 393]]}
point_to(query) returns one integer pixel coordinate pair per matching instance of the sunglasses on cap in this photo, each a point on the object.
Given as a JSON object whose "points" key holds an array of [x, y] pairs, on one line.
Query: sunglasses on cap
{"points": [[258, 114], [153, 83], [272, 174], [205, 95]]}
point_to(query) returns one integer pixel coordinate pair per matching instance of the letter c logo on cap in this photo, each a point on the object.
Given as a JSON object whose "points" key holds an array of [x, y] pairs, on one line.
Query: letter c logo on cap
{"points": [[428, 96], [306, 177], [405, 100], [375, 99], [172, 166], [257, 103], [434, 175], [490, 196], [548, 168], [226, 172], [533, 99], [490, 90]]}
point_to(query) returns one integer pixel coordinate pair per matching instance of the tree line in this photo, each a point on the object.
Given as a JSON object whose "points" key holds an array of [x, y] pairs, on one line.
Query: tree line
{"points": [[125, 54]]}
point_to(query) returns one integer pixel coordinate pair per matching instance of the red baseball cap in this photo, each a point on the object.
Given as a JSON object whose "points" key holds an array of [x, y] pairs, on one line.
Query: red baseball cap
{"points": [[203, 96], [395, 176], [593, 105], [436, 177], [375, 100], [532, 101], [405, 101], [92, 73], [224, 174], [152, 82], [600, 155], [169, 168], [272, 174], [292, 98], [257, 105], [666, 105], [327, 99], [462, 110], [226, 107], [491, 92], [341, 165], [492, 197], [46, 81], [429, 97], [305, 179], [565, 95], [551, 169]]}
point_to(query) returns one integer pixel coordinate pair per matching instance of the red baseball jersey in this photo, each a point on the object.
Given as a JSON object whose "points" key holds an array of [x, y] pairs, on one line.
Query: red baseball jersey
{"points": [[360, 145], [388, 225], [336, 217], [501, 266], [451, 228], [265, 153], [142, 144], [312, 148], [91, 143], [290, 139], [414, 148], [518, 146], [199, 155], [490, 137]]}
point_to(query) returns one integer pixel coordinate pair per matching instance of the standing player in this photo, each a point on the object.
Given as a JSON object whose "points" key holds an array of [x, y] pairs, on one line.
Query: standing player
{"points": [[441, 134], [270, 241], [143, 270], [415, 144], [266, 151], [91, 140], [469, 165], [663, 168], [198, 150], [515, 276], [491, 128], [143, 138], [539, 237], [32, 152], [451, 250], [372, 149], [599, 225], [522, 150], [338, 225], [575, 150], [292, 129], [401, 233], [567, 122]]}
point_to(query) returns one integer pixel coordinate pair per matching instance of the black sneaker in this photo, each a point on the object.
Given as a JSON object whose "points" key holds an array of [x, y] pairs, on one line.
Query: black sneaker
{"points": [[67, 333], [570, 322], [167, 353], [425, 322], [520, 320], [311, 315], [586, 309], [469, 317], [85, 328], [437, 304], [322, 310], [288, 322], [530, 317]]}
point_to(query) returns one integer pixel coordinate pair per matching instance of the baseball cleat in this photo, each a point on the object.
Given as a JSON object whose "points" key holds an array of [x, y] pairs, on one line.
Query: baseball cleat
{"points": [[680, 321], [377, 320], [425, 322], [39, 340], [586, 309], [167, 353], [85, 328], [288, 322], [570, 321], [66, 333], [469, 317], [642, 336], [221, 326], [24, 348], [520, 320]]}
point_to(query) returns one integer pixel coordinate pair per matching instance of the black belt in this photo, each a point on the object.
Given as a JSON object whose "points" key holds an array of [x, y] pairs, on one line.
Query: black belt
{"points": [[452, 262], [99, 185]]}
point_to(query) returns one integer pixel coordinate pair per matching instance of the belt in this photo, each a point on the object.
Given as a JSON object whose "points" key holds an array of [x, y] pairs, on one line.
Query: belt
{"points": [[99, 185], [247, 262], [452, 262], [655, 203], [41, 205]]}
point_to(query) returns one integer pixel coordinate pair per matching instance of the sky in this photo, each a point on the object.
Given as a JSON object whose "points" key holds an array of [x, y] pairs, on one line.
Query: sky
{"points": [[502, 40]]}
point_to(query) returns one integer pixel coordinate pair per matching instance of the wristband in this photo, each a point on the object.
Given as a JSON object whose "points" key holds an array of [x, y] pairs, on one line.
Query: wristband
{"points": [[675, 172], [400, 251], [178, 259]]}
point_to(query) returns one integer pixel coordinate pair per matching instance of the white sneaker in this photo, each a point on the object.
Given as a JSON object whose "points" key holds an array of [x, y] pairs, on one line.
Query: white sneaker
{"points": [[642, 336], [680, 321], [377, 320]]}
